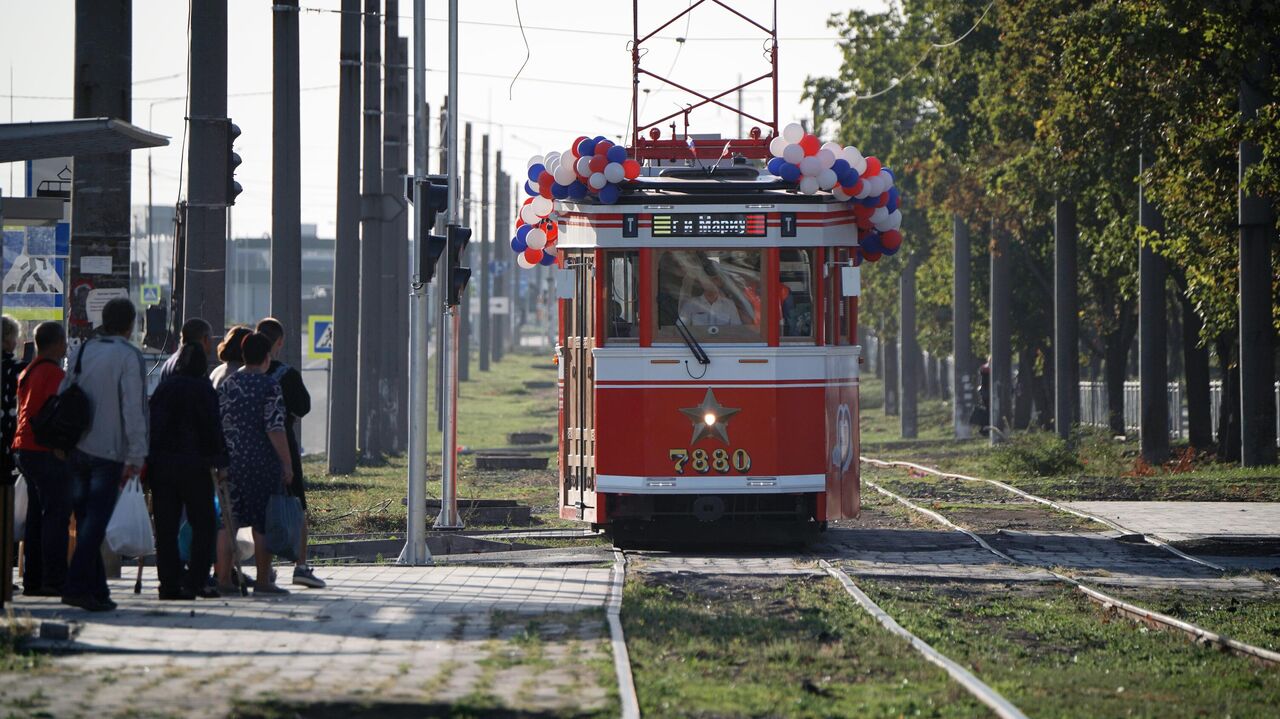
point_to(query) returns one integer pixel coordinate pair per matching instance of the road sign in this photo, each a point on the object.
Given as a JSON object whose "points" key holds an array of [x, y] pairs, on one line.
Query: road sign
{"points": [[320, 332], [150, 295], [499, 306]]}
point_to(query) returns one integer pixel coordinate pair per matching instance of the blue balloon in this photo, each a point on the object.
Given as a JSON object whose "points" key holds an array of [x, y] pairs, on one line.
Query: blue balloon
{"points": [[547, 260], [600, 138], [870, 201], [871, 243], [789, 172], [522, 231], [559, 191], [609, 193], [518, 243], [888, 252], [536, 171], [840, 167], [577, 190], [846, 178], [586, 147], [530, 190], [617, 153], [775, 166]]}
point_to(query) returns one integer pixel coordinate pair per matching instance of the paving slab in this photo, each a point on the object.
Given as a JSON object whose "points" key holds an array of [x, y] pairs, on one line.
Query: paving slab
{"points": [[422, 636], [1189, 521]]}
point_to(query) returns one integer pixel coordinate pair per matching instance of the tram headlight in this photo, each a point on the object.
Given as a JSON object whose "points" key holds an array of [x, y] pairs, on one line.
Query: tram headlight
{"points": [[709, 418]]}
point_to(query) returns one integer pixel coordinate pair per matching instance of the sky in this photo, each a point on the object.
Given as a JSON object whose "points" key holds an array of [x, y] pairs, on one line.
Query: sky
{"points": [[576, 81]]}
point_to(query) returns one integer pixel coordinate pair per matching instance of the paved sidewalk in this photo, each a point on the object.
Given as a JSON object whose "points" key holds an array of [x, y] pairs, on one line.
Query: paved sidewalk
{"points": [[525, 638], [1187, 521]]}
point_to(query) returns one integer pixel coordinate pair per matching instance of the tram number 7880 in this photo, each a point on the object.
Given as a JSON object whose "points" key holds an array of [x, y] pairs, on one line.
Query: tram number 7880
{"points": [[703, 462]]}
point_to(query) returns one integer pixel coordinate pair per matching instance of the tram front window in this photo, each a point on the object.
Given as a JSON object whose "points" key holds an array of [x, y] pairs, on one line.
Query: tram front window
{"points": [[622, 285], [717, 293]]}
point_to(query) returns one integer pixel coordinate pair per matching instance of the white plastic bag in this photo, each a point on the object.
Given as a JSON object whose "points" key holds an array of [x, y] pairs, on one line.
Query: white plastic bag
{"points": [[129, 531], [20, 500], [244, 544]]}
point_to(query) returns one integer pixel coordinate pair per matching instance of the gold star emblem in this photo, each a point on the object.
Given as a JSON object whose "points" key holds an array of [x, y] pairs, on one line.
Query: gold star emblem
{"points": [[710, 419]]}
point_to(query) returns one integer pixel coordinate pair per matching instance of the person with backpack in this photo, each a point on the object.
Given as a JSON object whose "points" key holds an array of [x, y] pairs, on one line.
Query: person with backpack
{"points": [[111, 373], [48, 486], [297, 403]]}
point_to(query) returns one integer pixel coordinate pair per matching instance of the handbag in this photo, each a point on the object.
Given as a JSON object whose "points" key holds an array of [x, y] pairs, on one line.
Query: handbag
{"points": [[129, 531], [65, 416], [284, 526]]}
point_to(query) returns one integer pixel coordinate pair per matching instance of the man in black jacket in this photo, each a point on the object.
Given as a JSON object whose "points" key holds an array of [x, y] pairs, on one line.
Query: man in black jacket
{"points": [[297, 403]]}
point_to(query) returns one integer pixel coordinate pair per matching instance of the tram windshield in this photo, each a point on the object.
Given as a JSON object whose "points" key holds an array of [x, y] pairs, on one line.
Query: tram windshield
{"points": [[717, 293]]}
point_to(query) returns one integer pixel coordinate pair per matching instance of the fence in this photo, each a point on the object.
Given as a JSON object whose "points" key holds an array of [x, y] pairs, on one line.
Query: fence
{"points": [[1093, 407]]}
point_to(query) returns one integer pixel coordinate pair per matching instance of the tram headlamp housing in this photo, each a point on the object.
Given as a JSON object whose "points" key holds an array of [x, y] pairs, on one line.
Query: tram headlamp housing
{"points": [[709, 418]]}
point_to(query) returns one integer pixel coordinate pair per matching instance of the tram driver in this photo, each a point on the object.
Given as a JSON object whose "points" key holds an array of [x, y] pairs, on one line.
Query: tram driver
{"points": [[711, 308]]}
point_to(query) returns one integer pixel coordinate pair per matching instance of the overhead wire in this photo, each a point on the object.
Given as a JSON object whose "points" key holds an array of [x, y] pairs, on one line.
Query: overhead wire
{"points": [[896, 82]]}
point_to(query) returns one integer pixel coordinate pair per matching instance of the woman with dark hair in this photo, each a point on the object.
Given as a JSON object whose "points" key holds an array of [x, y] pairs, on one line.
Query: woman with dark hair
{"points": [[229, 351], [253, 424], [186, 447]]}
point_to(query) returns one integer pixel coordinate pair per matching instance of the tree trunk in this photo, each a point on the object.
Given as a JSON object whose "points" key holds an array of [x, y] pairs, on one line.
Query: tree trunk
{"points": [[1196, 363], [890, 377], [1044, 392], [1229, 409], [1022, 390], [1116, 358]]}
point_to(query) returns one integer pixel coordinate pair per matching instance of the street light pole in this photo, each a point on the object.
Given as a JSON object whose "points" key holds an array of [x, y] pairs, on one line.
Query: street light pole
{"points": [[451, 319]]}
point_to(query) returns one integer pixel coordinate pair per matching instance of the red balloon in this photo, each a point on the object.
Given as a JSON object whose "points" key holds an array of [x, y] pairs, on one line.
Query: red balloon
{"points": [[545, 181], [873, 167], [810, 145], [533, 256], [866, 255], [630, 169], [553, 231], [854, 189], [882, 200], [527, 200], [862, 212], [602, 148], [519, 221], [598, 162], [891, 240], [573, 149]]}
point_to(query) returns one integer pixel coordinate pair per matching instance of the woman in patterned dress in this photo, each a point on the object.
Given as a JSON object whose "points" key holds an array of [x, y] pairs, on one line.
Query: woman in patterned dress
{"points": [[252, 410]]}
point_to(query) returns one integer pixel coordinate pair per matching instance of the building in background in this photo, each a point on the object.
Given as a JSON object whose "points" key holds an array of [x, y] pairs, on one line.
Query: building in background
{"points": [[249, 276]]}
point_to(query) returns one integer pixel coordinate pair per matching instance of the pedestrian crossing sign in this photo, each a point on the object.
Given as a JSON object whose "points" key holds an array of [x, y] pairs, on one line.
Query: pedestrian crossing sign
{"points": [[320, 333], [150, 295]]}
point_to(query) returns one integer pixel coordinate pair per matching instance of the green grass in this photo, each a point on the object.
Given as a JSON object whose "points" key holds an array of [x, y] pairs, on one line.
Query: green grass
{"points": [[797, 647], [13, 630], [1251, 619], [1052, 653]]}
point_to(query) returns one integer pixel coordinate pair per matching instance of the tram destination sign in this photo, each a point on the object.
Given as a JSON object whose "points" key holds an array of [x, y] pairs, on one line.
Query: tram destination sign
{"points": [[713, 224]]}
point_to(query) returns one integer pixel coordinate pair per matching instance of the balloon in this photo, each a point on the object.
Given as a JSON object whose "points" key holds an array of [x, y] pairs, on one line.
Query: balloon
{"points": [[870, 256], [891, 240], [577, 190], [839, 193], [535, 160], [583, 166], [810, 166], [893, 221], [536, 240], [565, 175], [878, 216], [518, 244], [826, 179], [852, 189], [873, 167], [777, 145], [840, 165], [886, 178], [529, 190], [793, 132], [528, 215], [883, 200], [790, 172], [855, 159], [810, 144], [833, 147], [586, 148], [602, 148], [544, 184], [613, 172], [609, 194], [522, 262], [630, 169], [889, 253], [552, 158], [576, 144], [548, 258], [871, 243], [552, 230], [524, 231], [597, 163], [542, 206], [533, 256], [617, 153], [808, 185], [535, 171], [596, 181], [559, 192], [826, 157], [775, 166], [793, 154]]}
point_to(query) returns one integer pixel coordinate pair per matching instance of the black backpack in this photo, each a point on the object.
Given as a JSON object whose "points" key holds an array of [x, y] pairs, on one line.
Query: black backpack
{"points": [[65, 416]]}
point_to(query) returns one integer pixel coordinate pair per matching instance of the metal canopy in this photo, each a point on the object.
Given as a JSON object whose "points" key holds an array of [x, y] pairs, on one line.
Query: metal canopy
{"points": [[69, 138]]}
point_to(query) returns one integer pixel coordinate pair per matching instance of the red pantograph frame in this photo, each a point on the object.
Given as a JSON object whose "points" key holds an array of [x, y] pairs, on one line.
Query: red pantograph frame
{"points": [[678, 147]]}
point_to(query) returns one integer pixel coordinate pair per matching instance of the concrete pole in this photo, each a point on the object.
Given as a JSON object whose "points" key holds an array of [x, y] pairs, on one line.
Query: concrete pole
{"points": [[1153, 344], [450, 319], [437, 287], [402, 276], [961, 338], [1066, 319], [464, 337], [502, 225], [1001, 335], [286, 182], [513, 270], [392, 254], [908, 352], [371, 349], [486, 240], [205, 285], [1257, 334], [346, 265]]}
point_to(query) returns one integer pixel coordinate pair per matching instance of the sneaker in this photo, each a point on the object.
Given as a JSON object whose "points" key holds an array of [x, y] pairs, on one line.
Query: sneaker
{"points": [[271, 590], [304, 577]]}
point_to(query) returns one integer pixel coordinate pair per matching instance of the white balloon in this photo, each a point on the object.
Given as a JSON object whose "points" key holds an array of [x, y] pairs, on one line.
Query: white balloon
{"points": [[810, 166], [873, 186], [524, 263], [893, 221], [855, 159], [793, 132], [865, 192], [528, 215], [596, 181], [535, 160], [793, 153], [777, 145], [565, 175], [552, 158], [833, 147], [887, 179], [839, 193], [808, 185], [878, 216], [826, 157], [613, 172], [542, 206], [583, 168], [827, 179], [536, 239]]}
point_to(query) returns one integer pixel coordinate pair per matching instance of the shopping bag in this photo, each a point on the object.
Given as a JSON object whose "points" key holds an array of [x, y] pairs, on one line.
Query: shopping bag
{"points": [[244, 544], [284, 526], [20, 500], [129, 531]]}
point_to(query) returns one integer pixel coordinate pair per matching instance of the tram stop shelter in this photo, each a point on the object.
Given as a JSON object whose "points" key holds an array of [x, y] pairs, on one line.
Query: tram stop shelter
{"points": [[24, 141]]}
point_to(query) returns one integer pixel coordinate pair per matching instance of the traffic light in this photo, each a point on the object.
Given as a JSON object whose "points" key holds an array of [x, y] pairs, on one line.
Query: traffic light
{"points": [[458, 276], [233, 161], [435, 199]]}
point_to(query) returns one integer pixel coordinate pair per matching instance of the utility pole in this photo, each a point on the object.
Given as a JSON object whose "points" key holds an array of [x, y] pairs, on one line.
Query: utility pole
{"points": [[450, 316], [415, 550], [501, 221], [1257, 335], [346, 258], [908, 351], [961, 337], [438, 298], [513, 272], [464, 337], [1001, 335], [485, 240], [286, 181], [392, 254], [368, 406], [1066, 319], [205, 286], [400, 316], [1153, 347]]}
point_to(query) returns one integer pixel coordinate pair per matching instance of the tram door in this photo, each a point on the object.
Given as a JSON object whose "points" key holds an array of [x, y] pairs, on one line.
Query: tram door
{"points": [[579, 477]]}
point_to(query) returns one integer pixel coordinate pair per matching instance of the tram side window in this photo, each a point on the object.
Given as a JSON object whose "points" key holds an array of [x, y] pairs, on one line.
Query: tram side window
{"points": [[795, 293], [622, 289], [718, 294]]}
